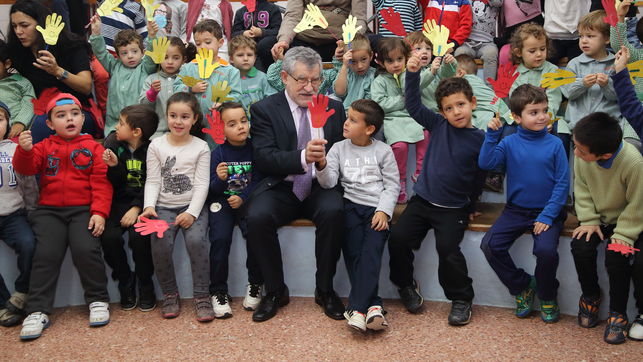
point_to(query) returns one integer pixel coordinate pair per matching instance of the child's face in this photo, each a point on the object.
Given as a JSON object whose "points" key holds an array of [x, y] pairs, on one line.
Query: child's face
{"points": [[581, 151], [124, 131], [361, 61], [4, 66], [423, 51], [533, 52], [4, 123], [173, 60], [395, 62], [130, 54], [243, 59], [207, 40], [180, 119], [458, 110], [66, 120], [235, 126], [592, 42], [355, 127], [534, 117]]}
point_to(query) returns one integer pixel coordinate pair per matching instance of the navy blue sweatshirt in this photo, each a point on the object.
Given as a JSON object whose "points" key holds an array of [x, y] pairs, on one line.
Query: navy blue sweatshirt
{"points": [[266, 16], [630, 105], [242, 177], [128, 176], [537, 169], [450, 175]]}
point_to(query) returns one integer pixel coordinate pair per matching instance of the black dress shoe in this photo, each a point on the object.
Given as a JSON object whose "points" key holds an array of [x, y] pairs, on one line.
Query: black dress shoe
{"points": [[333, 306], [270, 304]]}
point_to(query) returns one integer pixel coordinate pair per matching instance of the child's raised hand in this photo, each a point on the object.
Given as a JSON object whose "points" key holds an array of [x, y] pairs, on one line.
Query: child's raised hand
{"points": [[148, 212], [413, 64], [109, 157], [495, 123], [348, 56], [602, 79], [184, 220], [156, 85], [95, 25], [449, 58], [200, 87], [435, 65], [379, 221], [16, 128], [235, 201], [152, 28], [25, 141], [339, 51], [540, 227], [130, 216], [589, 80], [622, 9], [587, 230], [622, 57], [222, 171], [96, 225]]}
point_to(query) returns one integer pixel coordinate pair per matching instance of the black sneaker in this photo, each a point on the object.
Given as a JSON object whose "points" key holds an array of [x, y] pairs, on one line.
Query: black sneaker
{"points": [[460, 313], [128, 295], [146, 297], [411, 297]]}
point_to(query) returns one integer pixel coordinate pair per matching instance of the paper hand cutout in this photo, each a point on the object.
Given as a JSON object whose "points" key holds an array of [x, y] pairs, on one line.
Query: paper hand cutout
{"points": [[610, 9], [160, 20], [304, 24], [220, 92], [109, 6], [53, 27], [392, 21], [204, 60], [149, 7], [159, 49], [250, 4], [318, 113], [552, 118], [636, 70], [623, 249], [557, 78], [316, 16], [349, 29], [151, 226], [216, 127], [507, 75], [189, 81], [439, 37]]}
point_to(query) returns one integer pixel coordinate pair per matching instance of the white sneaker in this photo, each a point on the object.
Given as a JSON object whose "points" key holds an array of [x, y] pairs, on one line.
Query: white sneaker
{"points": [[356, 320], [636, 330], [253, 297], [221, 305], [98, 314], [33, 325], [375, 318]]}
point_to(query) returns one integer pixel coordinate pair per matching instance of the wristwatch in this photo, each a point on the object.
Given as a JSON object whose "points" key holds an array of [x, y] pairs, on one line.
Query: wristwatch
{"points": [[63, 76]]}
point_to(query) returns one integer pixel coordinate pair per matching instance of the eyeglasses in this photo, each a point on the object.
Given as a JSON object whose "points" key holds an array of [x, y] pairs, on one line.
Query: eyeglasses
{"points": [[302, 82]]}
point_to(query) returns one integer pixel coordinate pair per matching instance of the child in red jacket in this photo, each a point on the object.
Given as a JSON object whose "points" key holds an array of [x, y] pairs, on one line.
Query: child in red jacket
{"points": [[454, 14], [75, 199]]}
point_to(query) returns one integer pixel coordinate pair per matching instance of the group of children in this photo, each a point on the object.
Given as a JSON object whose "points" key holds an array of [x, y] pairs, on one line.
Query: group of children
{"points": [[156, 165]]}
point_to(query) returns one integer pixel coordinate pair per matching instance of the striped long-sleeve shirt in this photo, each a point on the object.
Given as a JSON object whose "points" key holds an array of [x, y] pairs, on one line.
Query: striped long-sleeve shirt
{"points": [[132, 17], [409, 13]]}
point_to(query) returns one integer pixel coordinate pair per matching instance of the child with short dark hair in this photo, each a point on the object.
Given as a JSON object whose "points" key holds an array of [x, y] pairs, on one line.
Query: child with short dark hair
{"points": [[446, 193], [537, 187], [126, 160], [608, 210], [356, 75], [75, 199], [368, 174], [17, 94]]}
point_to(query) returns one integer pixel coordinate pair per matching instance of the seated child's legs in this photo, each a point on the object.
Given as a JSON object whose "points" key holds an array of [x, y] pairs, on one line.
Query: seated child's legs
{"points": [[162, 252], [585, 254], [620, 269], [113, 246], [488, 52], [420, 151], [546, 252], [4, 293], [142, 255], [254, 270], [197, 245], [637, 275], [401, 153], [220, 235], [16, 232]]}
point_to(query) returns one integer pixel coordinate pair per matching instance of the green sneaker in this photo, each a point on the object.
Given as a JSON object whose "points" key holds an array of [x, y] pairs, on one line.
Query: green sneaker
{"points": [[549, 311], [525, 300]]}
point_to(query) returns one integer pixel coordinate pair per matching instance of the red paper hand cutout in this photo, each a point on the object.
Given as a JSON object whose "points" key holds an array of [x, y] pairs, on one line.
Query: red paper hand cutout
{"points": [[507, 75], [150, 226], [392, 21], [250, 4], [216, 127], [318, 111], [610, 9], [623, 249]]}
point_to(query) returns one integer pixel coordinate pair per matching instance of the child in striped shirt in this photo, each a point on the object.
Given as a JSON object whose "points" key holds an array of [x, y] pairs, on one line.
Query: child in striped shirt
{"points": [[409, 13]]}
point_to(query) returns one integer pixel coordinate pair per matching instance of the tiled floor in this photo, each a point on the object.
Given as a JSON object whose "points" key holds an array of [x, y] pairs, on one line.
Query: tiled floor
{"points": [[301, 332]]}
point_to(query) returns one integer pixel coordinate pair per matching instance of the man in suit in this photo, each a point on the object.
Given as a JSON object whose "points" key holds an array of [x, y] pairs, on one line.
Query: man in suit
{"points": [[286, 147]]}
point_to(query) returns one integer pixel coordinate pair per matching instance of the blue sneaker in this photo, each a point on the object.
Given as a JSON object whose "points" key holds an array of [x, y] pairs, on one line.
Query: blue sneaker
{"points": [[525, 300]]}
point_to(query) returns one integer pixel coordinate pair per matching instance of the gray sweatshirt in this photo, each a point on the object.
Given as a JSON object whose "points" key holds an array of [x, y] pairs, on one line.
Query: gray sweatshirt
{"points": [[16, 191], [369, 174]]}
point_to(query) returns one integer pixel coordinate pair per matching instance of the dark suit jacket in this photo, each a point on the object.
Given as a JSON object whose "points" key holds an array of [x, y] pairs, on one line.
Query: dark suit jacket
{"points": [[274, 138]]}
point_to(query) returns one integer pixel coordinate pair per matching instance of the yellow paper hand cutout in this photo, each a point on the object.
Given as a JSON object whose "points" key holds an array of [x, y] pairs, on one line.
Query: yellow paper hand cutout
{"points": [[557, 78], [316, 16], [53, 26], [204, 60], [349, 29], [149, 7], [304, 24], [159, 49], [109, 6], [552, 119], [439, 37], [636, 70], [220, 92], [189, 81]]}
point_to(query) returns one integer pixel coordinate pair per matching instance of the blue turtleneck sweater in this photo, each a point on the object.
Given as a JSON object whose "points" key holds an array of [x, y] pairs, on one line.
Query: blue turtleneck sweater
{"points": [[537, 169]]}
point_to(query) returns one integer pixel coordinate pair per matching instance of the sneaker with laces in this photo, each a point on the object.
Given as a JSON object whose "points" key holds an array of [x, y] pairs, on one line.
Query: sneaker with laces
{"points": [[98, 314], [616, 329], [17, 302], [221, 305], [549, 311], [375, 320], [204, 312], [588, 311], [146, 297], [33, 325], [636, 329], [411, 297], [171, 306], [525, 300], [460, 313], [253, 297], [356, 320]]}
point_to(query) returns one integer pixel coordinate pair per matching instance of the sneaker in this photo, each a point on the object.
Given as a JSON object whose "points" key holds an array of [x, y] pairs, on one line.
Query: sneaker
{"points": [[375, 320], [128, 294], [549, 311], [221, 305], [588, 311], [98, 314], [615, 331], [460, 313], [171, 306], [525, 300], [411, 297], [9, 318], [204, 312], [636, 330], [253, 297], [356, 320], [146, 297], [493, 182], [33, 325], [17, 302]]}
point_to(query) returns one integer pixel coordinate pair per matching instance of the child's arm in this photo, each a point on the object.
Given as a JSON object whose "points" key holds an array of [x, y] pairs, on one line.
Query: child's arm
{"points": [[580, 86], [218, 172], [379, 94], [153, 181], [267, 89], [413, 101], [559, 194], [465, 23], [328, 170], [492, 153], [628, 226], [628, 102], [201, 182], [28, 159], [340, 87], [147, 63], [618, 34], [234, 82], [583, 202], [102, 192], [22, 119], [150, 90], [28, 188], [274, 76], [448, 67], [99, 48], [391, 183]]}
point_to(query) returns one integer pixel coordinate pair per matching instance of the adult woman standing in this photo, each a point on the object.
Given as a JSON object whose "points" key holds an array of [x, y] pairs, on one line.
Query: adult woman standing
{"points": [[64, 66]]}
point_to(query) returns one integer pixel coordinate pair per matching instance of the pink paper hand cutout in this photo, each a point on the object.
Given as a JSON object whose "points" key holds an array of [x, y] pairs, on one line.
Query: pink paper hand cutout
{"points": [[318, 111], [250, 4], [216, 127], [610, 9], [151, 226], [506, 76], [392, 21], [623, 249]]}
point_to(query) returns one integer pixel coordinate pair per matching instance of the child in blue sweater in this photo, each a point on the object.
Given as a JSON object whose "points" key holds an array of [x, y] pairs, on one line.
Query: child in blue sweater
{"points": [[537, 186]]}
